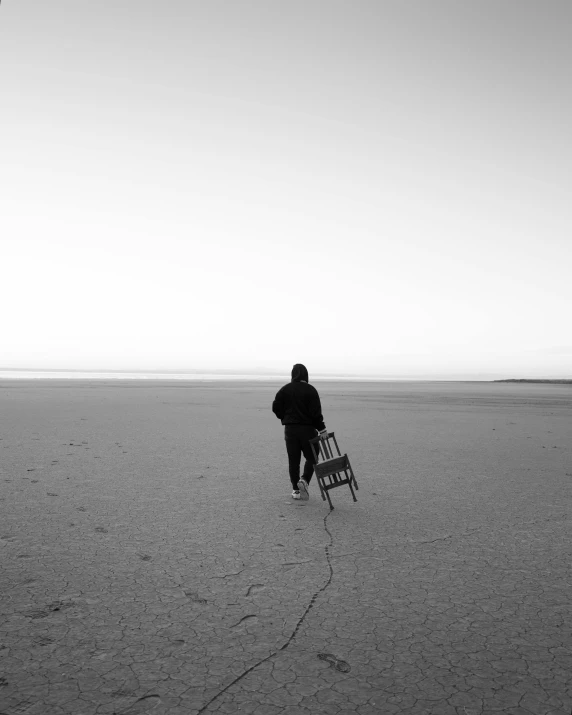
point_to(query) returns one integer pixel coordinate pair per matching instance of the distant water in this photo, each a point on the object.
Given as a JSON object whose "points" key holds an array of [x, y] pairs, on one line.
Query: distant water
{"points": [[81, 375], [195, 376]]}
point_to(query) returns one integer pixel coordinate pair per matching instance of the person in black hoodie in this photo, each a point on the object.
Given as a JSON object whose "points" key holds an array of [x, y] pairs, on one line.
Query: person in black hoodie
{"points": [[297, 406]]}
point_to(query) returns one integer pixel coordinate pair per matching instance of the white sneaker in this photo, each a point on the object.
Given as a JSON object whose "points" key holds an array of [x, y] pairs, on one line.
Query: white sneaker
{"points": [[303, 487], [295, 494]]}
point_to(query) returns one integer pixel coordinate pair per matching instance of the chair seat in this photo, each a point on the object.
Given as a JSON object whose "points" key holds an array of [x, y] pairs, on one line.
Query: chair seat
{"points": [[331, 466]]}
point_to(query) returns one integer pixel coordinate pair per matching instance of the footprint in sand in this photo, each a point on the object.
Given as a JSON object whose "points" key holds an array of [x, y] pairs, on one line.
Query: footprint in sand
{"points": [[44, 612], [194, 597], [36, 613], [22, 707], [43, 641], [334, 662]]}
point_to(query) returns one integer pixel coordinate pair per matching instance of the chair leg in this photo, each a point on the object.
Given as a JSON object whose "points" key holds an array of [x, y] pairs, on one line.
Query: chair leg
{"points": [[354, 482], [329, 500], [353, 479], [352, 490], [322, 490]]}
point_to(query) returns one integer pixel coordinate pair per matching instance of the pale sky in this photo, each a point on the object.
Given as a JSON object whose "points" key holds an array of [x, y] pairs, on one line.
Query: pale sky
{"points": [[362, 186]]}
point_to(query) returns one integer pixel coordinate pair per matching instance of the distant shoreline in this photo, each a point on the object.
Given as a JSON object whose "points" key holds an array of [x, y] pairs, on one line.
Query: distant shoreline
{"points": [[544, 382], [114, 376]]}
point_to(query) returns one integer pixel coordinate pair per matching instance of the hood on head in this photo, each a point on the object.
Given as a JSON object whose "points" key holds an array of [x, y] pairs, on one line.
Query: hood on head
{"points": [[299, 373]]}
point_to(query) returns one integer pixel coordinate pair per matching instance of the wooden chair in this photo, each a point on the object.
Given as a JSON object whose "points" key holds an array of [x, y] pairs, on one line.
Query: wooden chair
{"points": [[329, 467]]}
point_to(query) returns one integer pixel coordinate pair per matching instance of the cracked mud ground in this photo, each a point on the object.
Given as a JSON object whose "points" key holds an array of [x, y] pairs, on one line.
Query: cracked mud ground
{"points": [[152, 561]]}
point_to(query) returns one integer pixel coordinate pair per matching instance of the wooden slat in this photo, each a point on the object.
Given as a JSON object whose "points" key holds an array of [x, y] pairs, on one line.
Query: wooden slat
{"points": [[340, 483], [331, 466], [336, 443], [324, 447]]}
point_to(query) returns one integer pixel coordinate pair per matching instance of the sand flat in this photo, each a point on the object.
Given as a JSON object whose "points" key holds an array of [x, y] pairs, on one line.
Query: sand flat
{"points": [[152, 559]]}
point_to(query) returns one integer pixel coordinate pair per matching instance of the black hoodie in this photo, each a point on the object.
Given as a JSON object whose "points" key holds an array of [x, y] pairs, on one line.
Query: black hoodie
{"points": [[298, 403]]}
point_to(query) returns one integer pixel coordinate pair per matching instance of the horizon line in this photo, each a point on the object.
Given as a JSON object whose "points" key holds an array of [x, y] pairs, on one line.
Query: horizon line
{"points": [[272, 374]]}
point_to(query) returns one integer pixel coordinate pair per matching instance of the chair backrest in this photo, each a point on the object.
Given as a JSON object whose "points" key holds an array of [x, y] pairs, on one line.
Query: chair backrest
{"points": [[322, 448]]}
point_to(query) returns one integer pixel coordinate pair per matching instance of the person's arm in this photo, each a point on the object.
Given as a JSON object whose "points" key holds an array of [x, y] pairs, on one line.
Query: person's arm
{"points": [[278, 404], [316, 413]]}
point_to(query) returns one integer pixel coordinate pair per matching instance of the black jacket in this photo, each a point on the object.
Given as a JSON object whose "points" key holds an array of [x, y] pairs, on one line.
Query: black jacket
{"points": [[298, 403]]}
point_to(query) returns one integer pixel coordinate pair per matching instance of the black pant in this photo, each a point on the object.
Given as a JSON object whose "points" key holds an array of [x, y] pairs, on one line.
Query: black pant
{"points": [[297, 443]]}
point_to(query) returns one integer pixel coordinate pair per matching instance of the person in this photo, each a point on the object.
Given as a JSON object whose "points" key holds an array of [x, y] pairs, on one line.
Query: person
{"points": [[297, 406]]}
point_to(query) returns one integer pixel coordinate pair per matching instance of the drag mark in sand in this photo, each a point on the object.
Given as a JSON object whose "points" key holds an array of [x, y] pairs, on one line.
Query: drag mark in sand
{"points": [[228, 575], [296, 628], [245, 618], [320, 590], [147, 702]]}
